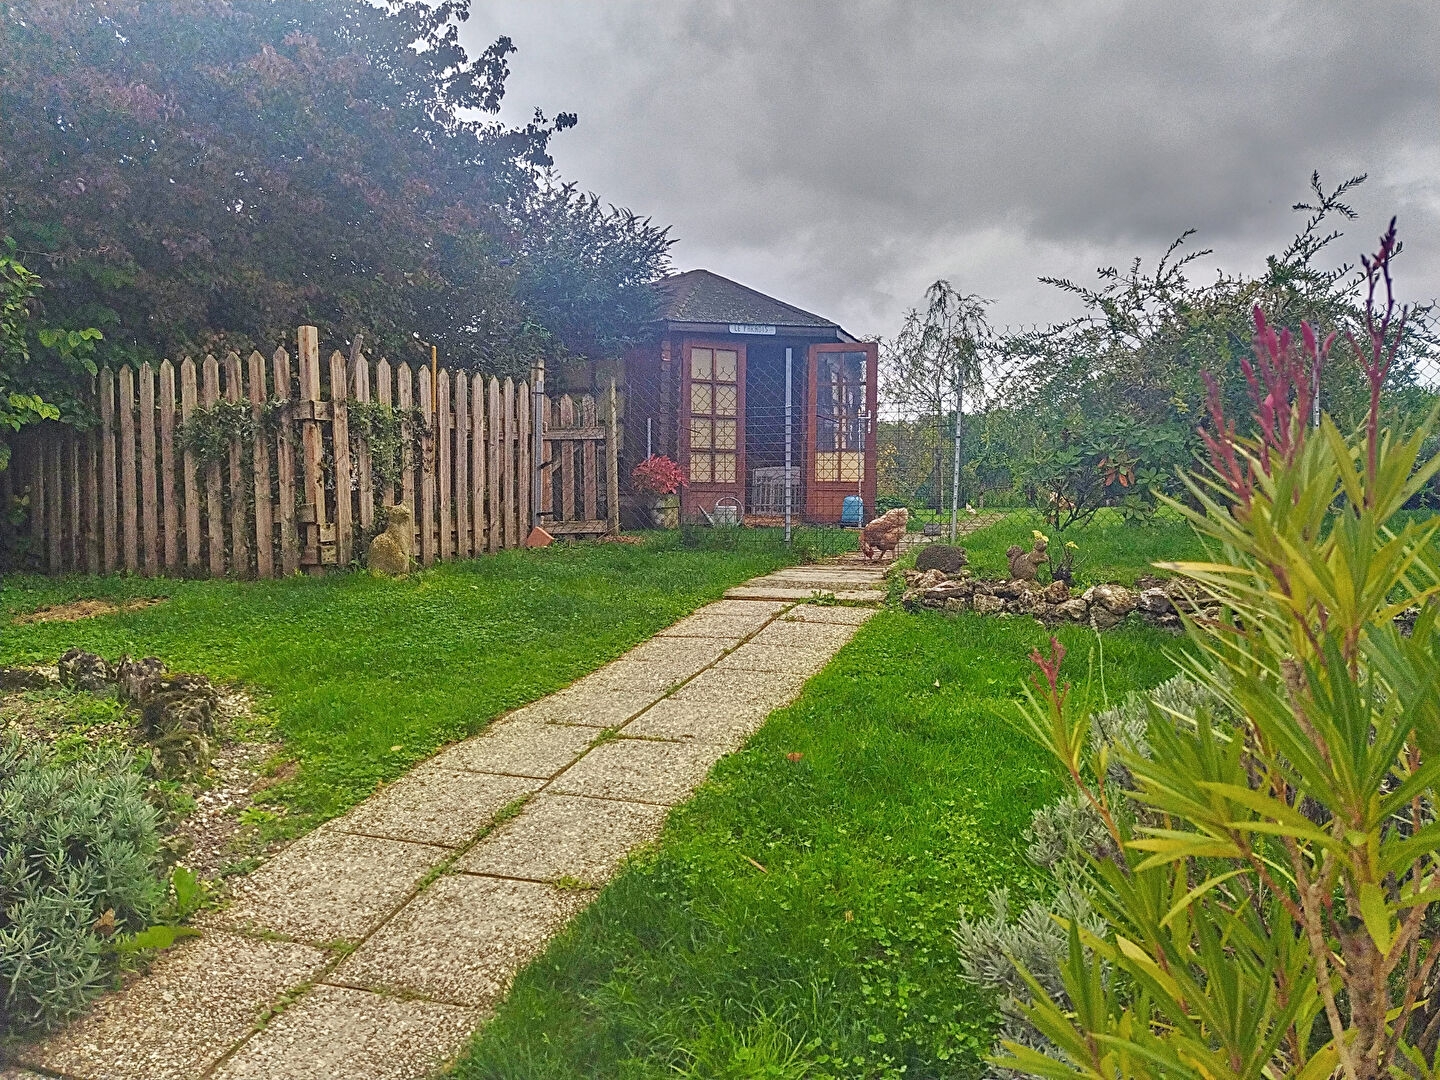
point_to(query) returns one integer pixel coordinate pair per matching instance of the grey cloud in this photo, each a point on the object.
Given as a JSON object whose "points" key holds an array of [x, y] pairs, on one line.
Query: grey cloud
{"points": [[842, 155]]}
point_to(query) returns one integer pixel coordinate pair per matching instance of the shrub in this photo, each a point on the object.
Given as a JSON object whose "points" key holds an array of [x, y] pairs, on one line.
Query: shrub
{"points": [[1270, 906], [78, 867]]}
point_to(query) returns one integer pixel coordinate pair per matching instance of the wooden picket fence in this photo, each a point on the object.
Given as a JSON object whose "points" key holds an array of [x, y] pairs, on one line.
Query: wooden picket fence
{"points": [[297, 495]]}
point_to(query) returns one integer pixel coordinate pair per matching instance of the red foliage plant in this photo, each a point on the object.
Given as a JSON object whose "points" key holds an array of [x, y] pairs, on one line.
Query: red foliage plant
{"points": [[657, 475]]}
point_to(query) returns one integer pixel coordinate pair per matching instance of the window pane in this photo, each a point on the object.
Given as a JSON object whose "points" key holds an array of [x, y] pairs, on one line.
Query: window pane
{"points": [[724, 434], [725, 400], [827, 466], [724, 468], [725, 365], [700, 398], [850, 466], [700, 434], [700, 469], [700, 363]]}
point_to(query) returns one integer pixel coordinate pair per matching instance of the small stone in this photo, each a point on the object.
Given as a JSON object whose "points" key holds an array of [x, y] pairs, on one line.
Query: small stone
{"points": [[932, 528], [23, 678], [81, 670], [948, 590], [988, 605], [1115, 599], [1077, 610], [946, 557], [1102, 618], [954, 604]]}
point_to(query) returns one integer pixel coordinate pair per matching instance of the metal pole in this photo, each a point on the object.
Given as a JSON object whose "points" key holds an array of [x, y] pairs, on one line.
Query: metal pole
{"points": [[955, 465], [788, 451], [649, 443], [537, 442]]}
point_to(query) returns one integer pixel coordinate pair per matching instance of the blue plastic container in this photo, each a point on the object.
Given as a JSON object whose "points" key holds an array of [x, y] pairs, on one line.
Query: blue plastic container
{"points": [[852, 511]]}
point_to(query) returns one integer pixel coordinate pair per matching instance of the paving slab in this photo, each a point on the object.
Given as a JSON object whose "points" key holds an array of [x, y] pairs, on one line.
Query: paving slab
{"points": [[588, 706], [329, 885], [828, 614], [768, 689], [643, 770], [197, 1001], [531, 748], [745, 608], [846, 596], [725, 723], [565, 836], [433, 804], [10, 1072], [700, 651], [336, 1033], [640, 675], [462, 940], [806, 635], [753, 656], [731, 627]]}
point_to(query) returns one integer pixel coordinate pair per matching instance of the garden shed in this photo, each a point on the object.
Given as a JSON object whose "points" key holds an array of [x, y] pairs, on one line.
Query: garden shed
{"points": [[745, 392]]}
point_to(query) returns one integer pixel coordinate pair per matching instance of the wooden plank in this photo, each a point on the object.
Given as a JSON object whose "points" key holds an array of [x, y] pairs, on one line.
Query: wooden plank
{"points": [[384, 379], [578, 434], [462, 466], [579, 528], [476, 451], [524, 477], [170, 528], [260, 471], [312, 483], [444, 464], [364, 467], [547, 449], [90, 462], [285, 466], [427, 447], [410, 444], [567, 460], [149, 474], [70, 465], [108, 502], [237, 511], [54, 499], [507, 464], [188, 401], [612, 461], [494, 426], [588, 460], [129, 504], [344, 474], [214, 494]]}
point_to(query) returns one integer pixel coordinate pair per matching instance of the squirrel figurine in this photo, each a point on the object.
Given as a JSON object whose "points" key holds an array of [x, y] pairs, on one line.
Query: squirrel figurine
{"points": [[391, 551]]}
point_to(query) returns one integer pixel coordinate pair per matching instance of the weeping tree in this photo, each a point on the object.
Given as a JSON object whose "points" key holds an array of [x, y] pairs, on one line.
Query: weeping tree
{"points": [[934, 365]]}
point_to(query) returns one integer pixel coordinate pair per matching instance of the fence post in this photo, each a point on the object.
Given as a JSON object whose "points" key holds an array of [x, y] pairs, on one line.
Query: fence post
{"points": [[313, 514], [260, 466], [214, 503], [239, 520], [129, 508], [285, 466], [149, 497], [427, 472], [188, 400], [340, 434], [537, 447], [167, 466], [612, 466]]}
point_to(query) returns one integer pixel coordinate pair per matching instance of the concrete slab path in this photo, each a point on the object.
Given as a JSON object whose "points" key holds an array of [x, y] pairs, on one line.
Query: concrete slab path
{"points": [[371, 948]]}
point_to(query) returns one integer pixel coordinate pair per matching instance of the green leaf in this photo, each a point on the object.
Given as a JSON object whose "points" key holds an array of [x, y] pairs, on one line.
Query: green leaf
{"points": [[156, 937], [1376, 914]]}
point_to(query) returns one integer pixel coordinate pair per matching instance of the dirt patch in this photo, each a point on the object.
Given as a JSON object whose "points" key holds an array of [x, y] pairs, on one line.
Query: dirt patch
{"points": [[85, 609], [204, 839], [619, 538]]}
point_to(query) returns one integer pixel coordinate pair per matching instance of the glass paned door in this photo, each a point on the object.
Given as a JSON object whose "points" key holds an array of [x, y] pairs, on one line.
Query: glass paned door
{"points": [[714, 409], [840, 416]]}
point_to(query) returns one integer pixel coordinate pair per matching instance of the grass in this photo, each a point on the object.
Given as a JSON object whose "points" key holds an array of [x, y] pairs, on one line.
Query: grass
{"points": [[833, 957], [1110, 548], [364, 677]]}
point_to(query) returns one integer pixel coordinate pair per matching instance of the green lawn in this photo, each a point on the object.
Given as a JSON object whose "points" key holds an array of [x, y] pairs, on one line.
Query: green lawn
{"points": [[1109, 548], [365, 677], [836, 959]]}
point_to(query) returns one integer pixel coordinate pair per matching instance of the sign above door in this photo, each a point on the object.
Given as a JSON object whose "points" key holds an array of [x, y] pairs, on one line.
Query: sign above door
{"points": [[751, 328]]}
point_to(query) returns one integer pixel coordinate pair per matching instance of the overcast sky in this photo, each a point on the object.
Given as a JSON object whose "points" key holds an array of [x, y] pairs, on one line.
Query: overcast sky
{"points": [[842, 154]]}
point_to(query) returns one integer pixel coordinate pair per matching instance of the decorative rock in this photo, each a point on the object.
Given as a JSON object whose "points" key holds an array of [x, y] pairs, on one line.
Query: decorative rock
{"points": [[950, 590], [1115, 599], [1077, 610], [177, 713], [134, 679], [1154, 602], [932, 528], [81, 670], [985, 604], [1102, 618], [1057, 592], [23, 678], [944, 557], [929, 579]]}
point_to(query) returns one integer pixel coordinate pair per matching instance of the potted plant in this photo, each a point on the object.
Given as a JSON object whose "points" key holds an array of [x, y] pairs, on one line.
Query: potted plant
{"points": [[658, 480]]}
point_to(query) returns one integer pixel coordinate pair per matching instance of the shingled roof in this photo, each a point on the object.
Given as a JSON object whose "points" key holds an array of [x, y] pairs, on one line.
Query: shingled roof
{"points": [[699, 296]]}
